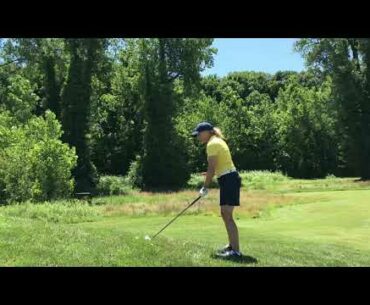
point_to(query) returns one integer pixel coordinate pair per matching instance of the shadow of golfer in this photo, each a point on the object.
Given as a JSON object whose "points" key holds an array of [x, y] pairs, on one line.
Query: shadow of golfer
{"points": [[244, 259]]}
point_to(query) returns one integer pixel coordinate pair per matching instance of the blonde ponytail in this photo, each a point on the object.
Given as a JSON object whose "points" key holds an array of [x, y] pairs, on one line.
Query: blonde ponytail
{"points": [[217, 132]]}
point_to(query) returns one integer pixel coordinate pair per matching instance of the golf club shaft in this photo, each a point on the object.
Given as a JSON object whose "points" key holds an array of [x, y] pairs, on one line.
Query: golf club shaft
{"points": [[177, 216]]}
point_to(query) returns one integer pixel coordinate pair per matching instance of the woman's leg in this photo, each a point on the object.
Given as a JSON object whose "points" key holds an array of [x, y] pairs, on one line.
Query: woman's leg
{"points": [[231, 228]]}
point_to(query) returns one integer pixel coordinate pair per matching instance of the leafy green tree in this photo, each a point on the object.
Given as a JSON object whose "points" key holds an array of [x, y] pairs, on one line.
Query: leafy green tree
{"points": [[17, 96], [76, 98], [43, 61], [251, 81], [307, 137], [164, 61], [256, 141], [347, 61], [34, 163], [117, 129]]}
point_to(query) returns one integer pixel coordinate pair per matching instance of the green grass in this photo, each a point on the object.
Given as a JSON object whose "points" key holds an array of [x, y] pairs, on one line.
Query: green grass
{"points": [[284, 222], [60, 212]]}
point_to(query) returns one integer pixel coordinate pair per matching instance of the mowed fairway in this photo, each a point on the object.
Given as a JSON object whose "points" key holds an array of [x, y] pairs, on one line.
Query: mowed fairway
{"points": [[297, 226]]}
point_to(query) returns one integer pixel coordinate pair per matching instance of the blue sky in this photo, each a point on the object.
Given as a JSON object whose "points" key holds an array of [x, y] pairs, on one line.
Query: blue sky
{"points": [[255, 54]]}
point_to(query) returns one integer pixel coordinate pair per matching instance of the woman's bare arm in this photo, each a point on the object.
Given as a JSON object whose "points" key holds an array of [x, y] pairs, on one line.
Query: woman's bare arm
{"points": [[211, 171]]}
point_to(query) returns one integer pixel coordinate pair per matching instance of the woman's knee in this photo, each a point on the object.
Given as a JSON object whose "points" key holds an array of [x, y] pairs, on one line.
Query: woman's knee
{"points": [[226, 215]]}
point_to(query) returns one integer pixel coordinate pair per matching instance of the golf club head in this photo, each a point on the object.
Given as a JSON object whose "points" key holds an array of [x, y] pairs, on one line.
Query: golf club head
{"points": [[147, 237]]}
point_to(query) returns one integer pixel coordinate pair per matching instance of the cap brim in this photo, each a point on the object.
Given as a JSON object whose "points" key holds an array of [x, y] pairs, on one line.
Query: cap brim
{"points": [[194, 133]]}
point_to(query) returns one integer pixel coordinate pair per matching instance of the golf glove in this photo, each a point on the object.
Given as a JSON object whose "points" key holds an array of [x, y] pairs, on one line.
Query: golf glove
{"points": [[203, 191]]}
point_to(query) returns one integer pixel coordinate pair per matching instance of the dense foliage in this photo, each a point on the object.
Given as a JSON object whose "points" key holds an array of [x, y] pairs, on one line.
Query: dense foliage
{"points": [[72, 110]]}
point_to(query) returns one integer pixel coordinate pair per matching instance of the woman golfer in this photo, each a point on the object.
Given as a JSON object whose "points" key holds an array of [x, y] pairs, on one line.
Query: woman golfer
{"points": [[220, 164]]}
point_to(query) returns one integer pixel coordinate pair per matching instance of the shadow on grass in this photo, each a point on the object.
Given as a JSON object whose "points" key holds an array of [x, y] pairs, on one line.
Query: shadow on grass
{"points": [[244, 259], [361, 180]]}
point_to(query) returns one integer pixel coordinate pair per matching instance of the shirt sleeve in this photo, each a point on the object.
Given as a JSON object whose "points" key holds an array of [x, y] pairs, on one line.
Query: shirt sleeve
{"points": [[213, 149]]}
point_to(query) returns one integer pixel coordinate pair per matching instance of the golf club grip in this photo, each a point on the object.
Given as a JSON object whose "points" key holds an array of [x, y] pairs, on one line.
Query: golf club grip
{"points": [[177, 216]]}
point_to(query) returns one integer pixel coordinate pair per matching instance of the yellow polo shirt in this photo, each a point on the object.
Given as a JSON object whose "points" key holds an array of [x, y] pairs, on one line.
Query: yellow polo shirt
{"points": [[218, 147]]}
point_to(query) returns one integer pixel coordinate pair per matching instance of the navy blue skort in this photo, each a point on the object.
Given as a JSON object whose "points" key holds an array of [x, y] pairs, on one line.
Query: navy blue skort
{"points": [[230, 185]]}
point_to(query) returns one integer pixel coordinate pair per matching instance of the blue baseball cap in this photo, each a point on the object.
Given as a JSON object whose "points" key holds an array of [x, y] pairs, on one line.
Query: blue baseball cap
{"points": [[202, 127]]}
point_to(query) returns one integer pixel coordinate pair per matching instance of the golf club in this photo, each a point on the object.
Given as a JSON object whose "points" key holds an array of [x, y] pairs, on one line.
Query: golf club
{"points": [[148, 238]]}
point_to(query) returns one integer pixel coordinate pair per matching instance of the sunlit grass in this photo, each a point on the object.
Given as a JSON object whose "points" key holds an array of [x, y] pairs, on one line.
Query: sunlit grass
{"points": [[283, 222]]}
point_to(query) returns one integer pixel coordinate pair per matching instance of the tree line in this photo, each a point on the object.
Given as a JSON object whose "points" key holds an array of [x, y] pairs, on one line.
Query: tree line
{"points": [[76, 109]]}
